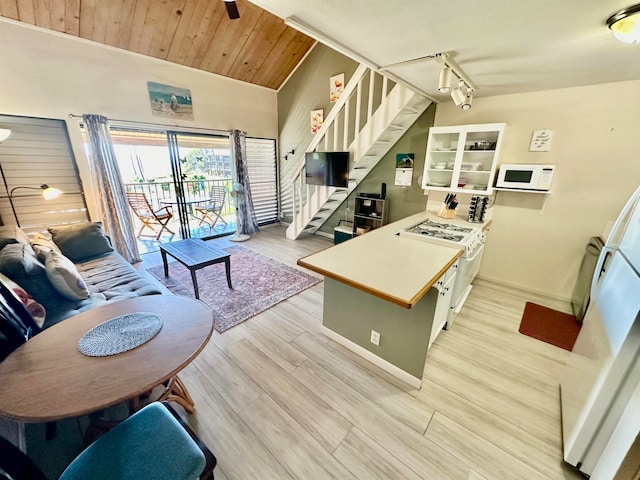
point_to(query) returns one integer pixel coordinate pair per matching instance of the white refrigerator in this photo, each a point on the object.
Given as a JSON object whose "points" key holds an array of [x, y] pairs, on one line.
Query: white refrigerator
{"points": [[600, 389]]}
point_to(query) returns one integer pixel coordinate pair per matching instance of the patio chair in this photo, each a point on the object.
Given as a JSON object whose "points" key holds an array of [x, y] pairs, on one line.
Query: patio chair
{"points": [[153, 443], [211, 212], [147, 215]]}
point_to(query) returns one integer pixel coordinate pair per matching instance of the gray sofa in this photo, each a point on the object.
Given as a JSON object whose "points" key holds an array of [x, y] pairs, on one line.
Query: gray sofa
{"points": [[107, 276]]}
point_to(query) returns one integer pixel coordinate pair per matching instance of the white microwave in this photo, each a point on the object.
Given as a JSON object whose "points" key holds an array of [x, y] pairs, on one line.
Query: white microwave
{"points": [[525, 177]]}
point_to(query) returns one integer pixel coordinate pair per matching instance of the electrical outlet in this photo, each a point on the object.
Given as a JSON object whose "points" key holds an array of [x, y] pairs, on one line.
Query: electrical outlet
{"points": [[375, 337]]}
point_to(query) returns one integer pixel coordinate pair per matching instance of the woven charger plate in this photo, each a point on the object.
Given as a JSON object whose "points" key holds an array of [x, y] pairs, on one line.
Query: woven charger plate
{"points": [[120, 334]]}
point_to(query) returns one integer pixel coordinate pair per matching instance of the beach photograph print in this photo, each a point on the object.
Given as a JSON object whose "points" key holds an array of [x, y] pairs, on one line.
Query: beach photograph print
{"points": [[168, 101]]}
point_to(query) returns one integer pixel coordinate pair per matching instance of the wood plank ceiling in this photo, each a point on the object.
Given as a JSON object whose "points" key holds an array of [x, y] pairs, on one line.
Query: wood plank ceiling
{"points": [[257, 48]]}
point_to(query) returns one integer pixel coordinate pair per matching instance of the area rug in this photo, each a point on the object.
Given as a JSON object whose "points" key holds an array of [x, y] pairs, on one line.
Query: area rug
{"points": [[549, 325], [258, 284]]}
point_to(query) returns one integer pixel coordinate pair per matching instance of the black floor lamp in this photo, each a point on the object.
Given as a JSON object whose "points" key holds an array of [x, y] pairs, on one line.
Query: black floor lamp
{"points": [[49, 193]]}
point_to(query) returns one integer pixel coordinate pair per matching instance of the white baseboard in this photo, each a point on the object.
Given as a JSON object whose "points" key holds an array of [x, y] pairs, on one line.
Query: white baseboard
{"points": [[373, 358], [324, 234], [523, 288]]}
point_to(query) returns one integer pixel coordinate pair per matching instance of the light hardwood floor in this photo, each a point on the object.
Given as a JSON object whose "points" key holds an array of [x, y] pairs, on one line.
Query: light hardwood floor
{"points": [[275, 399]]}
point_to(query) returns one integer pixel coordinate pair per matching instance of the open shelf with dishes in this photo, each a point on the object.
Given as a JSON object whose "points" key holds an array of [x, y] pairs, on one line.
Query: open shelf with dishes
{"points": [[462, 158]]}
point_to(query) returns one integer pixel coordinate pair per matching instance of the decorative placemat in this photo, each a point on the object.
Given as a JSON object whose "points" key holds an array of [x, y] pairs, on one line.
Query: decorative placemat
{"points": [[120, 334]]}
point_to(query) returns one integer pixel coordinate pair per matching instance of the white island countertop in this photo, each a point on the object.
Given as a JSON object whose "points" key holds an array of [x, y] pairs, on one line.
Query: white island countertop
{"points": [[394, 268]]}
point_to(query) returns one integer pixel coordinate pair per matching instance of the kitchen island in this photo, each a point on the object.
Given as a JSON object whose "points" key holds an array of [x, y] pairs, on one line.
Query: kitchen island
{"points": [[383, 282]]}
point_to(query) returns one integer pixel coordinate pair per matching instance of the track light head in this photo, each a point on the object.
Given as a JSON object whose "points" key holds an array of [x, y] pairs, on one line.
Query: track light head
{"points": [[466, 105], [444, 84], [457, 95]]}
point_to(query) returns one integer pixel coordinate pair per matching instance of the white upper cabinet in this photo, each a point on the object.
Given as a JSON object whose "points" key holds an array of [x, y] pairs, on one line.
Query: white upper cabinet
{"points": [[462, 158]]}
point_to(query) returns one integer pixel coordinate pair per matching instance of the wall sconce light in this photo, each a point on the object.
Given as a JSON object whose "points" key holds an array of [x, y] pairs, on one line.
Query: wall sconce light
{"points": [[4, 134], [625, 24], [49, 193]]}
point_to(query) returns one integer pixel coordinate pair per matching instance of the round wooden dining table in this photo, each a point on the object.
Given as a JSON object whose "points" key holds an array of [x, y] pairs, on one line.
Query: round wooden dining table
{"points": [[48, 379]]}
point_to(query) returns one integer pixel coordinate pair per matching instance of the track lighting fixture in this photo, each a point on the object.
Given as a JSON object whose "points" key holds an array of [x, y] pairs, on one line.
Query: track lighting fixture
{"points": [[444, 85], [462, 95], [457, 95], [625, 24], [466, 105]]}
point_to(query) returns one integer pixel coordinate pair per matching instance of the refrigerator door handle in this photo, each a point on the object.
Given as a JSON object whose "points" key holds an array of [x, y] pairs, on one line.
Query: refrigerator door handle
{"points": [[605, 253], [614, 236]]}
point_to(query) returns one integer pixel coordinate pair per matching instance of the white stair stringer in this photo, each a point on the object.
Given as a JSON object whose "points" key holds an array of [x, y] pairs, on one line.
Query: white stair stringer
{"points": [[398, 111]]}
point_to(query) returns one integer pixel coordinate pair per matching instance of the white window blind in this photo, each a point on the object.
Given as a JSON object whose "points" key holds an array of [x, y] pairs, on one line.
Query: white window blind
{"points": [[38, 152], [261, 163]]}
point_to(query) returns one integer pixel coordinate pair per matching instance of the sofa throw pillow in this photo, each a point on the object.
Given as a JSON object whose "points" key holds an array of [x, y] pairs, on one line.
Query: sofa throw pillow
{"points": [[37, 311], [41, 244], [18, 260], [64, 276], [12, 234], [81, 241]]}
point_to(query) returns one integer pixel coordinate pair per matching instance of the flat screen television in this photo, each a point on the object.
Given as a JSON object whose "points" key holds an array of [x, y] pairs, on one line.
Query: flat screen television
{"points": [[327, 168]]}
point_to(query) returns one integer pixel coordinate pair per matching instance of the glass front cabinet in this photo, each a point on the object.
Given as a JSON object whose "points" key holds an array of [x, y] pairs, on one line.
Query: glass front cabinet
{"points": [[462, 158]]}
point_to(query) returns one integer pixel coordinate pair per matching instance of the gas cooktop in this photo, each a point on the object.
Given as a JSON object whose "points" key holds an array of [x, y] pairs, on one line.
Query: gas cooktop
{"points": [[444, 226], [422, 229], [449, 234]]}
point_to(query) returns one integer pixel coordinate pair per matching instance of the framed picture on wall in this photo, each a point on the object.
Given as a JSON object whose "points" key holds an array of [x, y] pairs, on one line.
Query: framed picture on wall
{"points": [[169, 101], [336, 87], [541, 141], [317, 119]]}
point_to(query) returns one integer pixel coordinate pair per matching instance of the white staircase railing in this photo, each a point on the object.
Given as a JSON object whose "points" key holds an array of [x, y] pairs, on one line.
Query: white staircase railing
{"points": [[367, 120]]}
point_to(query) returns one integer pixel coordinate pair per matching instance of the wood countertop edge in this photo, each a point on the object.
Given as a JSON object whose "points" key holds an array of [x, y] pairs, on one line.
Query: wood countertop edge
{"points": [[377, 293]]}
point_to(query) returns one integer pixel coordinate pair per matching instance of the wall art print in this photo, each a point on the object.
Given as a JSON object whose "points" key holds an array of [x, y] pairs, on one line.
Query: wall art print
{"points": [[317, 119], [169, 101], [336, 87]]}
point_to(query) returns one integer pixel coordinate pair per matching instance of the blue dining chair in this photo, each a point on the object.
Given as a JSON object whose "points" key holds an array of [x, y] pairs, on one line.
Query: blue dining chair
{"points": [[154, 443]]}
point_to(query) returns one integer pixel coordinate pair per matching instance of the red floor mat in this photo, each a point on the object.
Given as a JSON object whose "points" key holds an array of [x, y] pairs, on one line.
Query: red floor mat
{"points": [[549, 325]]}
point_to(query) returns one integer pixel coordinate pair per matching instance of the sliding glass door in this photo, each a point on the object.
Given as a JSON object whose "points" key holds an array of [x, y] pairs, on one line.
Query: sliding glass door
{"points": [[177, 173], [202, 174], [190, 175]]}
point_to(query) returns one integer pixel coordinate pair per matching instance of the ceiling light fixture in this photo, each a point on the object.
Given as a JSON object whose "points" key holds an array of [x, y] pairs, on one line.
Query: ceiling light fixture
{"points": [[462, 95], [466, 105], [4, 134], [444, 84], [625, 24], [457, 95]]}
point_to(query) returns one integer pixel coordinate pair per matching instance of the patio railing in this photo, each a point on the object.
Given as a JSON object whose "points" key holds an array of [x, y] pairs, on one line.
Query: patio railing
{"points": [[194, 190]]}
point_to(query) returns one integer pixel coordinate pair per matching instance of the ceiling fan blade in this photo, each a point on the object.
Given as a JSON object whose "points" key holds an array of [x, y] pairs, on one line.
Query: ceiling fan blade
{"points": [[232, 9]]}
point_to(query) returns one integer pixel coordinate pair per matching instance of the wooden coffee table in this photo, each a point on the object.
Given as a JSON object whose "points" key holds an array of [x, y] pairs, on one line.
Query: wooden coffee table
{"points": [[195, 254]]}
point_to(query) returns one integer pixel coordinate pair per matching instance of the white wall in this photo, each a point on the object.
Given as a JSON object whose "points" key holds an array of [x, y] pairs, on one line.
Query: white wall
{"points": [[538, 243], [50, 75]]}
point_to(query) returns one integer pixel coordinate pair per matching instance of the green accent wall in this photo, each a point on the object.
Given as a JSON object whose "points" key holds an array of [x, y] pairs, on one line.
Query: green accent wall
{"points": [[404, 333]]}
